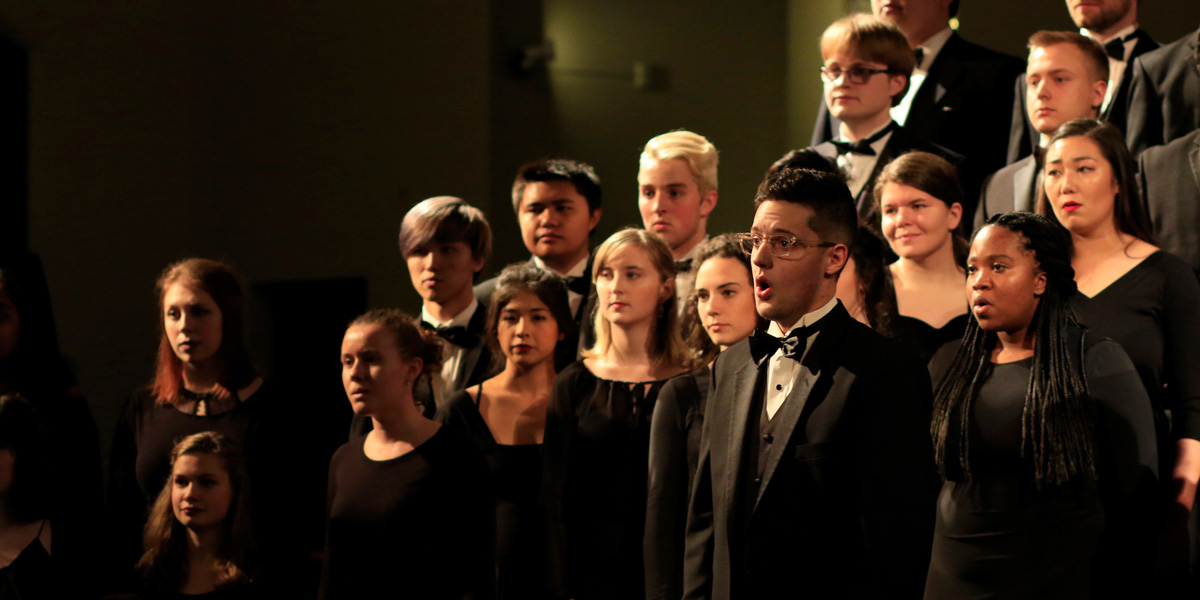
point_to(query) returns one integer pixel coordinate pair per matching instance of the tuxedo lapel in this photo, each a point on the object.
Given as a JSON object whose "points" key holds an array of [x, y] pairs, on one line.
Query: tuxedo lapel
{"points": [[942, 74], [471, 356], [745, 386], [789, 416], [1023, 186], [1194, 161]]}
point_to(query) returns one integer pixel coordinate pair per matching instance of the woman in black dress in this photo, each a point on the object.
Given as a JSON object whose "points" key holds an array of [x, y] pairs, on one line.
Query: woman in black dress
{"points": [[411, 509], [27, 531], [920, 207], [1140, 296], [506, 416], [598, 425], [32, 366], [1041, 429], [199, 540], [205, 381], [720, 313]]}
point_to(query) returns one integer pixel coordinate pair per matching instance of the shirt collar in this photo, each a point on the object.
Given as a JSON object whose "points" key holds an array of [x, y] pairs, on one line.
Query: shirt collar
{"points": [[575, 271], [804, 321], [932, 46], [1118, 35], [462, 319]]}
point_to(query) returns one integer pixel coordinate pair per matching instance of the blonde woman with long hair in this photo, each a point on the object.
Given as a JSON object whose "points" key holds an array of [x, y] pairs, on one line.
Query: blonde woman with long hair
{"points": [[598, 424]]}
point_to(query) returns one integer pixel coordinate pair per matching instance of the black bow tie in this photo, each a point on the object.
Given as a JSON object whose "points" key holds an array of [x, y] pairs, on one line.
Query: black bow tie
{"points": [[764, 345], [1115, 48], [863, 146], [458, 335], [683, 266], [579, 285]]}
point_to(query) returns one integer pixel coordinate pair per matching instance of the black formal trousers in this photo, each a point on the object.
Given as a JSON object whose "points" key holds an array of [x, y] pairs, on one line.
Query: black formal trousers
{"points": [[1164, 95], [846, 501]]}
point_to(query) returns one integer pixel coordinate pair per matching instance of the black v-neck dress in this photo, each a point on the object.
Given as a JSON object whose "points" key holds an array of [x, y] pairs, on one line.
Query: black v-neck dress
{"points": [[520, 515]]}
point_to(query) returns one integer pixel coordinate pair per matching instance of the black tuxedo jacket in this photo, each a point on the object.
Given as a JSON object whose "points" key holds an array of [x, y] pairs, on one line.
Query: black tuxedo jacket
{"points": [[1170, 182], [1012, 188], [1164, 95], [902, 141], [581, 335], [846, 506], [475, 366], [962, 106], [1024, 138]]}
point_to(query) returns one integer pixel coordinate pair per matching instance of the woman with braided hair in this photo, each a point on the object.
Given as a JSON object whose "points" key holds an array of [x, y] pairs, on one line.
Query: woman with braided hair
{"points": [[1042, 432]]}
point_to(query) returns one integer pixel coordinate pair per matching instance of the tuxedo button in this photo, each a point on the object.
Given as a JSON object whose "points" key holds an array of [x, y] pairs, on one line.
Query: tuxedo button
{"points": [[768, 438], [757, 480]]}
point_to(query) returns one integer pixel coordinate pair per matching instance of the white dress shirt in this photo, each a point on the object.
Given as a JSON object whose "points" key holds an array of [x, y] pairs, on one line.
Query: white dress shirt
{"points": [[452, 355], [931, 47], [860, 166], [576, 271], [782, 371], [1116, 68]]}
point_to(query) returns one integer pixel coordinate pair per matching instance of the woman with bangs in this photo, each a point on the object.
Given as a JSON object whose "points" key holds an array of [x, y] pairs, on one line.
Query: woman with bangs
{"points": [[1142, 297], [205, 381], [598, 424], [505, 416]]}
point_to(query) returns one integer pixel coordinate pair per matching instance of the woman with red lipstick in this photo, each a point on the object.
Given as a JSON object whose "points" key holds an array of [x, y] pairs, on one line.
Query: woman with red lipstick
{"points": [[920, 206], [410, 507], [598, 424], [505, 416], [205, 381], [1041, 429], [199, 539], [720, 313], [1135, 293]]}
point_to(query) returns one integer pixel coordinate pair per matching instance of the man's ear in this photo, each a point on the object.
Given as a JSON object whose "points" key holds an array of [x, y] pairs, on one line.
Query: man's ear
{"points": [[708, 202], [594, 219], [835, 259]]}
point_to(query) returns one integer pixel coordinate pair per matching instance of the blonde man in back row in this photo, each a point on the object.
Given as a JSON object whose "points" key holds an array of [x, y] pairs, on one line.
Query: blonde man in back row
{"points": [[677, 190]]}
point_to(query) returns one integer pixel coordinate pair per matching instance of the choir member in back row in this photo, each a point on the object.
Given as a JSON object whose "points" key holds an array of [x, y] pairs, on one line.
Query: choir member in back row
{"points": [[32, 367], [1041, 429], [816, 472], [1164, 94], [956, 91], [1142, 297], [445, 242], [598, 425], [920, 204], [677, 190], [558, 205], [411, 511], [505, 416], [205, 381], [867, 65], [1066, 77], [720, 313]]}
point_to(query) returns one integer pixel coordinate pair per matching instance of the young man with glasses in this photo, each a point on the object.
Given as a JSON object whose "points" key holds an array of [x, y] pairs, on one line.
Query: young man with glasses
{"points": [[816, 474], [867, 66]]}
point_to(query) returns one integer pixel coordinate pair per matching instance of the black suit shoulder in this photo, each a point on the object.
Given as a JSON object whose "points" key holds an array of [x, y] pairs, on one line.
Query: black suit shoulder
{"points": [[1164, 94]]}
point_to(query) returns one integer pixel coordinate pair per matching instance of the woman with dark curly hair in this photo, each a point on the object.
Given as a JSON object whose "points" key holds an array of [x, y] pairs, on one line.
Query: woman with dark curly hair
{"points": [[1042, 431], [199, 540]]}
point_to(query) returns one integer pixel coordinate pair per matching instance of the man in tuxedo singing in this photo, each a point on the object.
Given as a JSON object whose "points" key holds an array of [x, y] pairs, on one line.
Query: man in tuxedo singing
{"points": [[816, 476]]}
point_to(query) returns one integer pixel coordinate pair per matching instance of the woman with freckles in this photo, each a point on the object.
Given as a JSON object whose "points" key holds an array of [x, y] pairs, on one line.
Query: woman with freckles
{"points": [[204, 381], [1041, 429], [505, 416], [721, 313], [920, 206], [1140, 296], [411, 512], [199, 540], [598, 424]]}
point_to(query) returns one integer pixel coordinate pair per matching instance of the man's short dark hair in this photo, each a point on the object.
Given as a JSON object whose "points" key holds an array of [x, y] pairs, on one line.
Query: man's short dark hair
{"points": [[834, 219], [580, 174]]}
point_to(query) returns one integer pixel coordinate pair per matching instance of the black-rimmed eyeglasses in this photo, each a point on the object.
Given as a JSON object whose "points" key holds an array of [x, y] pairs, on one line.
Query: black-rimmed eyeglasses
{"points": [[856, 75]]}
